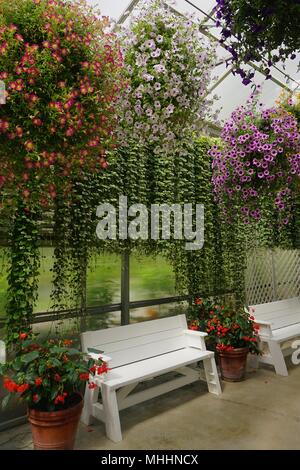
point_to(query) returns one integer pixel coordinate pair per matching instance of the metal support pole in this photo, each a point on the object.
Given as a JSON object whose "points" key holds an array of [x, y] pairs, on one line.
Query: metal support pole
{"points": [[125, 310]]}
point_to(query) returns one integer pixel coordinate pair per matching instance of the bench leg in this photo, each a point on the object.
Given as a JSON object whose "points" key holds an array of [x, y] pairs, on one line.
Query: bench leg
{"points": [[90, 397], [212, 376], [278, 358], [253, 361], [111, 413]]}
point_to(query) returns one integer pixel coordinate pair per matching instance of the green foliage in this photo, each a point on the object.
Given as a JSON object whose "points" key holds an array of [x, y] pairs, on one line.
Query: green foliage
{"points": [[23, 258], [227, 328], [220, 265], [74, 239], [149, 178], [47, 374]]}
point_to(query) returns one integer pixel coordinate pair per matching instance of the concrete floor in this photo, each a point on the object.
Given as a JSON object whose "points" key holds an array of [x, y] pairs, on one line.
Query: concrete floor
{"points": [[262, 412]]}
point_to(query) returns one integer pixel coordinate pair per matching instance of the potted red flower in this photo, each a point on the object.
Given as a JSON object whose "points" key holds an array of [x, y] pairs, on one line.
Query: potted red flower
{"points": [[50, 375], [232, 333]]}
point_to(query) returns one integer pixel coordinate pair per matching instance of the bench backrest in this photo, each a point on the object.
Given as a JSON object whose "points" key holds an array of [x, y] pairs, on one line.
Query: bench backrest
{"points": [[131, 343], [280, 314]]}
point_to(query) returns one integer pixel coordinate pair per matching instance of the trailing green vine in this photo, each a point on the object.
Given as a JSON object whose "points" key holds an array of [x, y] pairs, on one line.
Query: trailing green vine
{"points": [[220, 265], [24, 261]]}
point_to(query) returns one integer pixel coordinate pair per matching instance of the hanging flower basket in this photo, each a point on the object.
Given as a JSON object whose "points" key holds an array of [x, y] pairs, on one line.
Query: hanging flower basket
{"points": [[259, 157]]}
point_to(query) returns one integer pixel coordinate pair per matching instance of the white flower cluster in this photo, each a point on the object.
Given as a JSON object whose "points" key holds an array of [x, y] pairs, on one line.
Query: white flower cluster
{"points": [[168, 63]]}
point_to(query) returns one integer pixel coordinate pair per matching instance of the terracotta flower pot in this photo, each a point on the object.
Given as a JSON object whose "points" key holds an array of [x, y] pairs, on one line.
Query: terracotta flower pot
{"points": [[233, 364], [55, 430]]}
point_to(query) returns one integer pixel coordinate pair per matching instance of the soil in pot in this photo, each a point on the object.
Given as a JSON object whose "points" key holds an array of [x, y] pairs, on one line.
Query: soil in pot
{"points": [[233, 364], [55, 430]]}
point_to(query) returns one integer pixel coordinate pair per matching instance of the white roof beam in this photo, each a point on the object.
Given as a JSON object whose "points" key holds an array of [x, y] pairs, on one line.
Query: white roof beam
{"points": [[127, 11]]}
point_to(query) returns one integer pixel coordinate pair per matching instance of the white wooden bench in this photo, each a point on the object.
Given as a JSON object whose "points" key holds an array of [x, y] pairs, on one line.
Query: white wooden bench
{"points": [[279, 322], [140, 352]]}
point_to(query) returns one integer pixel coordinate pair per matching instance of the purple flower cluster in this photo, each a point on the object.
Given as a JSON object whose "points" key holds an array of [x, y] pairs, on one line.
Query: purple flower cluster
{"points": [[259, 156], [262, 31]]}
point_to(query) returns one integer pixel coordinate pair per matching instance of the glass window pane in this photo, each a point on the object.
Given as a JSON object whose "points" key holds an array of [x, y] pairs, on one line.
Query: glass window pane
{"points": [[157, 311], [45, 280], [150, 278], [104, 280], [71, 327]]}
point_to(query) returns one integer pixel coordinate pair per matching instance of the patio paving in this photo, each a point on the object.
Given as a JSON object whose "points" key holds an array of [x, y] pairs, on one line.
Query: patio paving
{"points": [[262, 412]]}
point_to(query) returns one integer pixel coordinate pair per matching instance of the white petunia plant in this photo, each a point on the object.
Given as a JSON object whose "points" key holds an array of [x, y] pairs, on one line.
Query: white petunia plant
{"points": [[168, 64]]}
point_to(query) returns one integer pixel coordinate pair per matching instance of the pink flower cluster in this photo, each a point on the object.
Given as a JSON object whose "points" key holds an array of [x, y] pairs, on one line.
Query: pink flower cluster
{"points": [[61, 88], [259, 156]]}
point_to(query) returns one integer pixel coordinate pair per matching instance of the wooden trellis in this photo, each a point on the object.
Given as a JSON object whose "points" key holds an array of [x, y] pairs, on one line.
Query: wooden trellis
{"points": [[272, 275]]}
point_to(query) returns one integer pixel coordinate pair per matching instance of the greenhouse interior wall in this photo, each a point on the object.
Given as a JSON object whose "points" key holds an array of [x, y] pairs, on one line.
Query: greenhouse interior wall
{"points": [[139, 294], [123, 289]]}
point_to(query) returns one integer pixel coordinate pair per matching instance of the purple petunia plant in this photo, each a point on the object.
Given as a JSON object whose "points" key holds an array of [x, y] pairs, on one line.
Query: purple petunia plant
{"points": [[168, 68], [259, 156]]}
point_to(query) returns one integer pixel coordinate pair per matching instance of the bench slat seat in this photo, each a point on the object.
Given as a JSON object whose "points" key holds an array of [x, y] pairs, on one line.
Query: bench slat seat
{"points": [[124, 375], [139, 353], [279, 322], [287, 333]]}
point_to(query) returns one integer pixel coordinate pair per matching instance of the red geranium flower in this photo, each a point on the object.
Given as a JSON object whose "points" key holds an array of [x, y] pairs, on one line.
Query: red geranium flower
{"points": [[22, 388], [102, 369], [223, 347], [10, 385], [60, 399], [84, 376]]}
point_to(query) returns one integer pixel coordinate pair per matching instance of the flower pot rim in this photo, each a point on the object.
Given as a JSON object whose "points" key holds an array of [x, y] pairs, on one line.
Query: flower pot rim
{"points": [[235, 351]]}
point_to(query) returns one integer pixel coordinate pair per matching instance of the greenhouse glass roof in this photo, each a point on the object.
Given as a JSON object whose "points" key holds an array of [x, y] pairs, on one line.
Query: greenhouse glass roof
{"points": [[229, 88]]}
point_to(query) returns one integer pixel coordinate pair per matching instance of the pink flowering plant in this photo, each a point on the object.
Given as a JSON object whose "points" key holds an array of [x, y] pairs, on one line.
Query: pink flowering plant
{"points": [[61, 70], [227, 328], [48, 374], [259, 156], [168, 67]]}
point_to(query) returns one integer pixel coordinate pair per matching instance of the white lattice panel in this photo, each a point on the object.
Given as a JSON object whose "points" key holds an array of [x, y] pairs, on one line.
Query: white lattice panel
{"points": [[272, 275]]}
